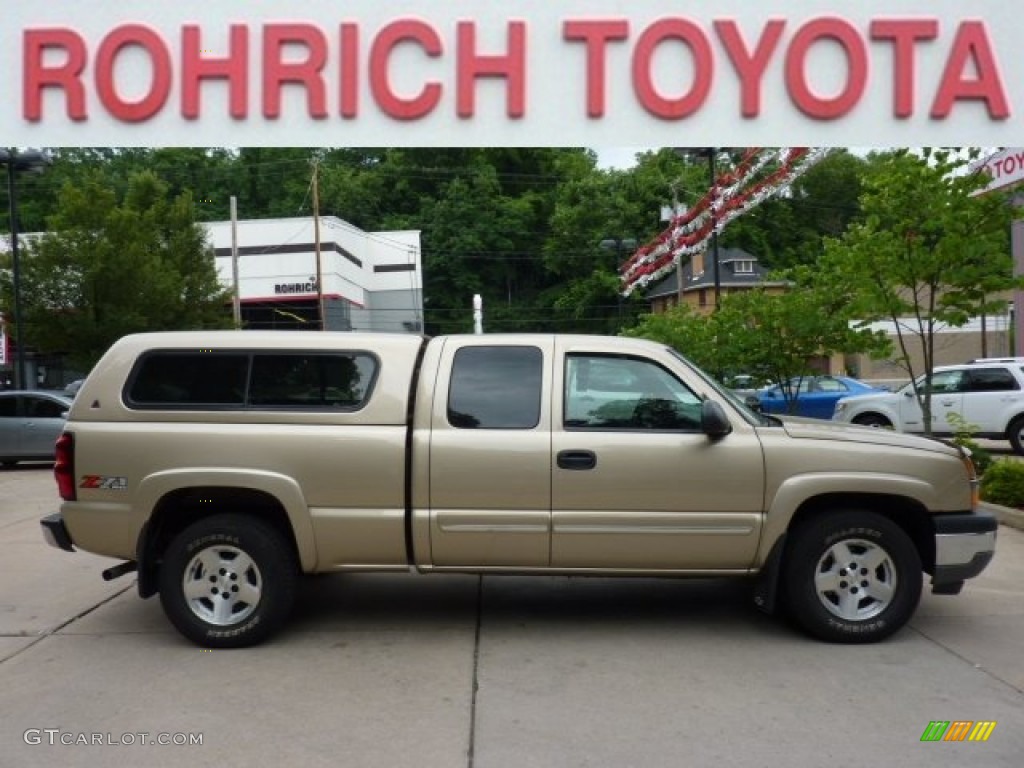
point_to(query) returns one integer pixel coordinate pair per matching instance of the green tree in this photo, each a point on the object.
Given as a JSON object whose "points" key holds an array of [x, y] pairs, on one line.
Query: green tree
{"points": [[108, 267], [690, 334], [595, 209], [929, 253], [774, 337], [778, 336]]}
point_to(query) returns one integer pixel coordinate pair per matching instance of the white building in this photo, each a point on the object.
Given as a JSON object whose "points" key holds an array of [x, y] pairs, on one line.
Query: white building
{"points": [[371, 281]]}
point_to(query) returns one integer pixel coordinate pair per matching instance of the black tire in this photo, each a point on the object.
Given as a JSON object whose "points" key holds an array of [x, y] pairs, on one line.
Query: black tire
{"points": [[1013, 432], [820, 594], [240, 557], [872, 420]]}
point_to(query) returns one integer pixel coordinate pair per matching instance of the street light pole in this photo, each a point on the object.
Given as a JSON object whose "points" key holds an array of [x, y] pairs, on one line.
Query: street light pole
{"points": [[620, 245], [14, 161]]}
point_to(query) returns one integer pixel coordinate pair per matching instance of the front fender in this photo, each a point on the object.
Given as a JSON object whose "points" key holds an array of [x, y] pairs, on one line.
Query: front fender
{"points": [[796, 491]]}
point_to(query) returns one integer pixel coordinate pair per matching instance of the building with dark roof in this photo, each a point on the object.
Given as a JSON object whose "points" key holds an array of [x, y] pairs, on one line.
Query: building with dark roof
{"points": [[738, 271]]}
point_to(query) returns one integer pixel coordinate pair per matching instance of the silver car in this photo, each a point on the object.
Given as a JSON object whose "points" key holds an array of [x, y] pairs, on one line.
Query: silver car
{"points": [[30, 422]]}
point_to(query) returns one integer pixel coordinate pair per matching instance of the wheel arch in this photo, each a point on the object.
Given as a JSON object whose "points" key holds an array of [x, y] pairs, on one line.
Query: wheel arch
{"points": [[174, 506], [869, 414], [1012, 432], [907, 513]]}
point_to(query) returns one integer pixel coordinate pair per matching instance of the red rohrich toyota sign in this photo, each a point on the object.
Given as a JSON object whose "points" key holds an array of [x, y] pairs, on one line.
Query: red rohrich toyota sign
{"points": [[471, 72]]}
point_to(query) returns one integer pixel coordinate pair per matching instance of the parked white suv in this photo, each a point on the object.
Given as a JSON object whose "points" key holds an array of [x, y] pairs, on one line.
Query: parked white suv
{"points": [[988, 394]]}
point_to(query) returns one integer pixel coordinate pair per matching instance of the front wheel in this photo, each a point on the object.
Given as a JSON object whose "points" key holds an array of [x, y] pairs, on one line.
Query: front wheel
{"points": [[228, 581], [851, 577]]}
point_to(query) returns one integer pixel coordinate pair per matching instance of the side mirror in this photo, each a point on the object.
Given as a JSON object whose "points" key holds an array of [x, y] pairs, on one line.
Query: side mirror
{"points": [[713, 421], [753, 402]]}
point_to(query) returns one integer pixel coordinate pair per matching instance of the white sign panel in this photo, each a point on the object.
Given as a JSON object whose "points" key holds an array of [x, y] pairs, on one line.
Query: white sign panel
{"points": [[1006, 168], [484, 72]]}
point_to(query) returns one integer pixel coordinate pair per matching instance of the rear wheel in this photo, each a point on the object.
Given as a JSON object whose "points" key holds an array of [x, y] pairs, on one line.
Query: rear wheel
{"points": [[872, 420], [851, 577], [228, 581]]}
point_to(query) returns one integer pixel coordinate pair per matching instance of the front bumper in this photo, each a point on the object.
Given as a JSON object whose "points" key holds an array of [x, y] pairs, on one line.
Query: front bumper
{"points": [[964, 545], [56, 533]]}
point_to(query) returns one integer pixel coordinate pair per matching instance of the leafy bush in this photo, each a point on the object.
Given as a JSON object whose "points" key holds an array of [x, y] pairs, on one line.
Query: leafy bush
{"points": [[963, 435], [1003, 483]]}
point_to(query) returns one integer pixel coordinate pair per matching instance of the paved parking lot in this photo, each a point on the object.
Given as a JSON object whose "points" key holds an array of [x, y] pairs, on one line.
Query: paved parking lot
{"points": [[500, 672]]}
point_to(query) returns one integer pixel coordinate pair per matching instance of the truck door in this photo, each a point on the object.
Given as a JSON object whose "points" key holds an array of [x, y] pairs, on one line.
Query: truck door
{"points": [[637, 485], [947, 397], [490, 454]]}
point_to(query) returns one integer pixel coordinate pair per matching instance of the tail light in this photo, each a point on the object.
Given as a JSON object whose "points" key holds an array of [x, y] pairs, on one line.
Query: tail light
{"points": [[64, 466]]}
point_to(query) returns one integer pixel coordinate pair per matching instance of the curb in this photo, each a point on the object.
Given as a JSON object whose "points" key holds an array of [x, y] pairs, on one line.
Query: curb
{"points": [[1014, 518]]}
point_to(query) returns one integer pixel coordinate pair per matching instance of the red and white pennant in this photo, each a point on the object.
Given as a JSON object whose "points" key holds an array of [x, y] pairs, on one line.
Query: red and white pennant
{"points": [[760, 174]]}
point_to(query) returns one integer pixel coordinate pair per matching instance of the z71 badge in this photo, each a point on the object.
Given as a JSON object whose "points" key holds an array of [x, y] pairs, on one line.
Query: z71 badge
{"points": [[102, 483]]}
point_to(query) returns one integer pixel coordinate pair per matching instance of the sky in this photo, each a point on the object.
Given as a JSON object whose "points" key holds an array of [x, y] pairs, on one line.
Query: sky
{"points": [[618, 157]]}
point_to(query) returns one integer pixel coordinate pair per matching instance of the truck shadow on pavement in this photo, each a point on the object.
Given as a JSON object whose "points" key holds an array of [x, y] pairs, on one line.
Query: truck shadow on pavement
{"points": [[412, 602]]}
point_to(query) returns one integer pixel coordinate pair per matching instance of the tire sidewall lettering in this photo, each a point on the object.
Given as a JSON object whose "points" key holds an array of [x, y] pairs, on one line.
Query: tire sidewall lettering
{"points": [[853, 533], [214, 538]]}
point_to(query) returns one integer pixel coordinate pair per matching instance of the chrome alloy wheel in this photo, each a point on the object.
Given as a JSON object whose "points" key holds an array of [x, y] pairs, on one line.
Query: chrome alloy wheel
{"points": [[855, 579], [222, 585]]}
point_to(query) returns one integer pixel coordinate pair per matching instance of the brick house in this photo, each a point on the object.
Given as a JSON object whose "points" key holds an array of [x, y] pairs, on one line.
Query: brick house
{"points": [[738, 271]]}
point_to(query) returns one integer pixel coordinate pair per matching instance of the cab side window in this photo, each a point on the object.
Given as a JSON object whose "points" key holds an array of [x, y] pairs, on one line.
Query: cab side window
{"points": [[603, 392], [496, 388]]}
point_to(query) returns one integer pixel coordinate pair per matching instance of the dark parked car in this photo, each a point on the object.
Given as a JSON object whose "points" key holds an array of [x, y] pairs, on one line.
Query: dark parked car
{"points": [[30, 422], [816, 396]]}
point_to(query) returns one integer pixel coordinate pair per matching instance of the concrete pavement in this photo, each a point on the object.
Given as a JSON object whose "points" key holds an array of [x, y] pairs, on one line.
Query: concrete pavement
{"points": [[500, 672]]}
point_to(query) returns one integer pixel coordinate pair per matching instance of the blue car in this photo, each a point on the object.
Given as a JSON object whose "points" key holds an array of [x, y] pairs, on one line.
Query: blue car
{"points": [[816, 396]]}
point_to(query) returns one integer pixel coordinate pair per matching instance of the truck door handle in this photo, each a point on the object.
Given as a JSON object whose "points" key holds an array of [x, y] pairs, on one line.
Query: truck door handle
{"points": [[577, 459]]}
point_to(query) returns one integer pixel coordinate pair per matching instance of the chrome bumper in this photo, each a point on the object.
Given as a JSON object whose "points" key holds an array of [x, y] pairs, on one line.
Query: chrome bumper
{"points": [[964, 546]]}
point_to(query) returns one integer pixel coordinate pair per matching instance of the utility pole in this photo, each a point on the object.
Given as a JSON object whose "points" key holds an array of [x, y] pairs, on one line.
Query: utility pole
{"points": [[712, 151], [236, 301], [671, 223], [18, 161], [316, 240]]}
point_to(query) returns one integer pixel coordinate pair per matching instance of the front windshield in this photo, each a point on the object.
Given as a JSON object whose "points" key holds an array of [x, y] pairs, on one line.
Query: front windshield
{"points": [[752, 416]]}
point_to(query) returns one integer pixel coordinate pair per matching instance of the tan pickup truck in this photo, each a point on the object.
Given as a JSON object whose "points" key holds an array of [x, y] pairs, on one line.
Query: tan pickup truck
{"points": [[222, 466]]}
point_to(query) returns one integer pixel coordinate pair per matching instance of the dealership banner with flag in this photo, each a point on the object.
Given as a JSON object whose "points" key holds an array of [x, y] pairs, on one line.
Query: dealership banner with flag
{"points": [[4, 356], [488, 72]]}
